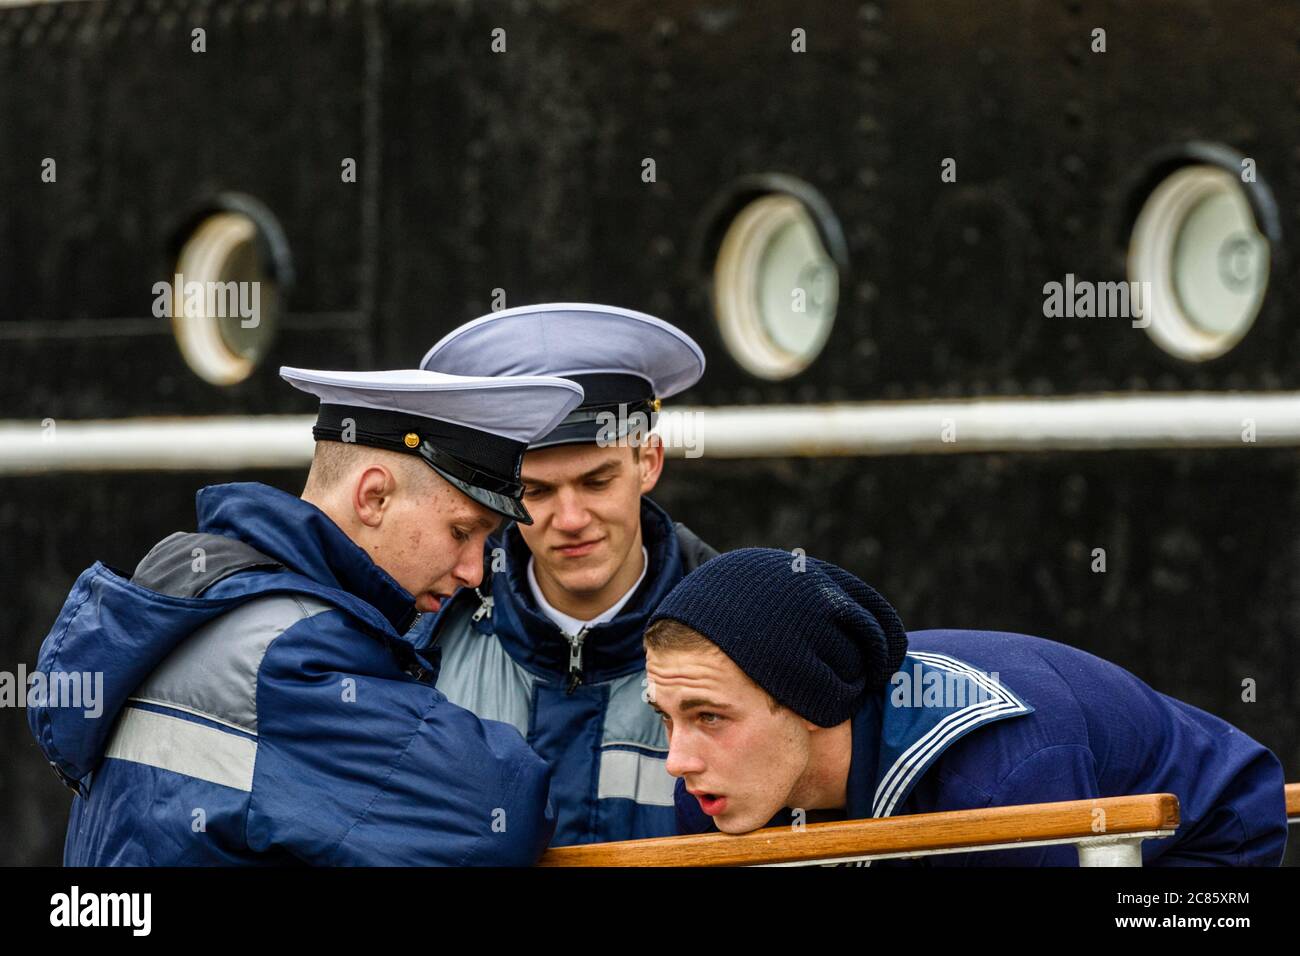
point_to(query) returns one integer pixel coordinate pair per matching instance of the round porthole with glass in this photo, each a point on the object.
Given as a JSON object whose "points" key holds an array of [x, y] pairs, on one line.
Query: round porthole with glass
{"points": [[1198, 246], [224, 302], [775, 287]]}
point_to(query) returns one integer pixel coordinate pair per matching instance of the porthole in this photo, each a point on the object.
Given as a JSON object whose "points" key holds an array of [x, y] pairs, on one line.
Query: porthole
{"points": [[225, 300], [1197, 243], [775, 287]]}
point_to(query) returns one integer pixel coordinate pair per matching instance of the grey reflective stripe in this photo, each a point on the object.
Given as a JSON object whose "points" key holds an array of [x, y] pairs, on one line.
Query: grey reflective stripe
{"points": [[629, 718], [635, 776], [476, 673], [213, 672], [185, 747]]}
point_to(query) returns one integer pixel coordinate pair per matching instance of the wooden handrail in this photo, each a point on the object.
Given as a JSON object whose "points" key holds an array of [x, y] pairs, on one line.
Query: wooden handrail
{"points": [[1293, 801], [1073, 819]]}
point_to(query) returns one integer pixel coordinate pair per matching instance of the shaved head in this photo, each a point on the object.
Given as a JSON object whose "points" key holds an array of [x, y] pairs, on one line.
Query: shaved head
{"points": [[335, 462], [426, 533]]}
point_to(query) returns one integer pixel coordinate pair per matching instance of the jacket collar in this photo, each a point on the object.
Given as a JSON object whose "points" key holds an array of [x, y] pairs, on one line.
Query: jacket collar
{"points": [[306, 540], [932, 702], [611, 649]]}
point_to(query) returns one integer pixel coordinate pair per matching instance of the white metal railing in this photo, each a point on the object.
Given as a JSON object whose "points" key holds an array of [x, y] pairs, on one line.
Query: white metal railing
{"points": [[1090, 423]]}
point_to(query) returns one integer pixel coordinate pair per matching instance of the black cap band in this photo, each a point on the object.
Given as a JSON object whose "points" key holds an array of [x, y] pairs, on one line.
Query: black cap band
{"points": [[482, 465], [607, 413]]}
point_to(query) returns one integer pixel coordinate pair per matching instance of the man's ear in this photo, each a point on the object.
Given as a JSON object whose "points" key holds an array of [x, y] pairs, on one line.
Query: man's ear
{"points": [[651, 463], [373, 494]]}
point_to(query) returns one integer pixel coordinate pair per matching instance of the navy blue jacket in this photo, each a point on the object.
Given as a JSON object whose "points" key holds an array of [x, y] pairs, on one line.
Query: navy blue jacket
{"points": [[277, 714], [504, 659], [1056, 723]]}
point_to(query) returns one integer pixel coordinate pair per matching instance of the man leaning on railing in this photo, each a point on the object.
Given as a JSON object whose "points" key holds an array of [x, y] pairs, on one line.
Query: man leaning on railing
{"points": [[791, 692]]}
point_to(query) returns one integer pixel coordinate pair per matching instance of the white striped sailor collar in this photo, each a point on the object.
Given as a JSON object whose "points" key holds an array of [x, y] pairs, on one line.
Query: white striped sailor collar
{"points": [[932, 702]]}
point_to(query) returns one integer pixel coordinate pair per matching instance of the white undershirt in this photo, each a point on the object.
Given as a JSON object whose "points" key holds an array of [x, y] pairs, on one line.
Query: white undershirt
{"points": [[572, 625]]}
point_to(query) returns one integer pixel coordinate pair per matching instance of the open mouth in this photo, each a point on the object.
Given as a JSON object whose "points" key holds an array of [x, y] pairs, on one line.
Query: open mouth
{"points": [[430, 603], [711, 803]]}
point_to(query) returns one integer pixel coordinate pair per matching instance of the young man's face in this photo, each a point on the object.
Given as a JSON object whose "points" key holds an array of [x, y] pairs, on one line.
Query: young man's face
{"points": [[738, 758], [434, 544], [586, 507], [428, 535]]}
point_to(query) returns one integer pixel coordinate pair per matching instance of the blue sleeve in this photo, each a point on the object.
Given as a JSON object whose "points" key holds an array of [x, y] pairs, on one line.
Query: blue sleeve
{"points": [[363, 765], [690, 818], [1056, 773], [1241, 821]]}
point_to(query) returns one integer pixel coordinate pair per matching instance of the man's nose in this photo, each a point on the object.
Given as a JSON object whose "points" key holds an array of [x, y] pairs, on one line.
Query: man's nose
{"points": [[469, 571], [682, 758], [570, 512]]}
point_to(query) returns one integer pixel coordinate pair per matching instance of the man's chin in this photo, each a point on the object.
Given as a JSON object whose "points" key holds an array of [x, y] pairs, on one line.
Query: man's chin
{"points": [[734, 823], [581, 581]]}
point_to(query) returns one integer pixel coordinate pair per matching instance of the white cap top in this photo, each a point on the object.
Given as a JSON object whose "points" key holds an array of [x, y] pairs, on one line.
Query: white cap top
{"points": [[571, 339], [519, 408]]}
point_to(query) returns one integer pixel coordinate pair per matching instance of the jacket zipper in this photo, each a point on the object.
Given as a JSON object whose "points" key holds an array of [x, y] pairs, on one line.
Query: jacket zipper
{"points": [[575, 658], [484, 608]]}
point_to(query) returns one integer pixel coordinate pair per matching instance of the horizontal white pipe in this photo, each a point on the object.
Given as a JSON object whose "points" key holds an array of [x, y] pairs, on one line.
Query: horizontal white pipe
{"points": [[147, 444], [1089, 423]]}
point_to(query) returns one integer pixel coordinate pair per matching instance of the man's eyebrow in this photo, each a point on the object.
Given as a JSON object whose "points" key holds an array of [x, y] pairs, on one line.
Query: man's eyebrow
{"points": [[692, 703], [491, 522], [599, 470]]}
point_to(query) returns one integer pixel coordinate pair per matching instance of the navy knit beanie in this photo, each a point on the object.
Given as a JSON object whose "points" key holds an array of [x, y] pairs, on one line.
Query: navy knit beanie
{"points": [[818, 639]]}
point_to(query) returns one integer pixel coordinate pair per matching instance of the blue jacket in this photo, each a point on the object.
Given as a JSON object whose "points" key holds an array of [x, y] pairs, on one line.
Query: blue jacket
{"points": [[502, 658], [263, 704], [1055, 723]]}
